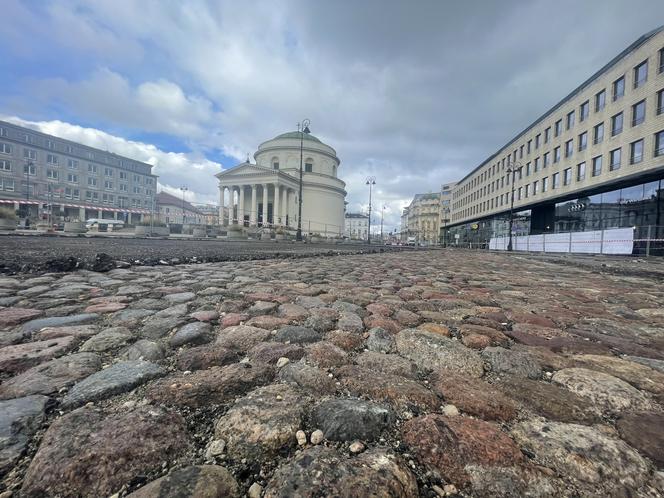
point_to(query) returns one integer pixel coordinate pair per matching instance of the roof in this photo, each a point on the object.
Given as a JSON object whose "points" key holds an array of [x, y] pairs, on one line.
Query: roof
{"points": [[431, 195], [356, 215], [297, 135], [166, 199], [642, 39]]}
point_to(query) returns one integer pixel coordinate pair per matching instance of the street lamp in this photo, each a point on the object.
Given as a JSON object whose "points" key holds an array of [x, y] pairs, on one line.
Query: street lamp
{"points": [[382, 215], [183, 189], [512, 168], [371, 181], [302, 128], [28, 165]]}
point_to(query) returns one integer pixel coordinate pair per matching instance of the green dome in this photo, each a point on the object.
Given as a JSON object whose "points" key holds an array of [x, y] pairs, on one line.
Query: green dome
{"points": [[296, 134]]}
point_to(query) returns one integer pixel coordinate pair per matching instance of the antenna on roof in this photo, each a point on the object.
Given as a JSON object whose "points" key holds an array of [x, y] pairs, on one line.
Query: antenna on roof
{"points": [[247, 157]]}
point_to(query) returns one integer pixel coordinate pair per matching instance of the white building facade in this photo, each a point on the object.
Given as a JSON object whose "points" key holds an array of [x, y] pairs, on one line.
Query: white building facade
{"points": [[265, 194], [357, 226]]}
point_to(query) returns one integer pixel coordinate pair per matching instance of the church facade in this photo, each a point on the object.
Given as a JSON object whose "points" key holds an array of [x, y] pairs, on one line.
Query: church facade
{"points": [[264, 194]]}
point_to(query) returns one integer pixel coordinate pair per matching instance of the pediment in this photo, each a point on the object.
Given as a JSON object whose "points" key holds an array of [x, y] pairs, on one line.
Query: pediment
{"points": [[243, 170]]}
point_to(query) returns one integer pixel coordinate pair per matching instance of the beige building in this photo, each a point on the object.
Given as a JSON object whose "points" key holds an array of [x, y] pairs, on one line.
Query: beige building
{"points": [[176, 210], [420, 221], [601, 145], [265, 194], [357, 226], [445, 211]]}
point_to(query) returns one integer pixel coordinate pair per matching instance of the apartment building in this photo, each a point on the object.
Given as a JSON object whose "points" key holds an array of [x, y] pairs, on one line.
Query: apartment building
{"points": [[174, 210], [445, 211], [41, 172], [595, 160], [356, 226], [422, 219]]}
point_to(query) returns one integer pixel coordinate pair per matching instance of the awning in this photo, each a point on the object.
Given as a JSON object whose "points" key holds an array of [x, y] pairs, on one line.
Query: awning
{"points": [[85, 206]]}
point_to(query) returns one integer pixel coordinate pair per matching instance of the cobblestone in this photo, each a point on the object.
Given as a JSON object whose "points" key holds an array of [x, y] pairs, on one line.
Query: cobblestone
{"points": [[427, 372]]}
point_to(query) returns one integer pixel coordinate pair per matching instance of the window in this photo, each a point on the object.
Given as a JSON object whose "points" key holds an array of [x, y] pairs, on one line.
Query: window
{"points": [[570, 120], [137, 179], [308, 167], [5, 165], [636, 152], [547, 159], [584, 110], [558, 127], [660, 102], [600, 100], [72, 178], [52, 174], [123, 187], [3, 132], [92, 168], [5, 148], [77, 193], [123, 175], [556, 155], [545, 184], [530, 141], [661, 60], [641, 74], [597, 166], [536, 166], [618, 88], [521, 152], [569, 148], [537, 140], [547, 135], [580, 171], [137, 190], [555, 181], [30, 154], [614, 159], [535, 187], [69, 149], [92, 182], [29, 169], [29, 138], [108, 171], [275, 163], [598, 133], [527, 169], [108, 185], [616, 124], [583, 141], [638, 113], [526, 190], [8, 185], [51, 159], [567, 177], [72, 163], [659, 143]]}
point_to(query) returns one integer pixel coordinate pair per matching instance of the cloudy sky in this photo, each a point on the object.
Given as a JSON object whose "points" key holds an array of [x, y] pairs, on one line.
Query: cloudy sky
{"points": [[415, 93]]}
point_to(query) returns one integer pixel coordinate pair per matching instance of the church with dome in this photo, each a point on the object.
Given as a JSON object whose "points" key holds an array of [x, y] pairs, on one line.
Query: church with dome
{"points": [[265, 193]]}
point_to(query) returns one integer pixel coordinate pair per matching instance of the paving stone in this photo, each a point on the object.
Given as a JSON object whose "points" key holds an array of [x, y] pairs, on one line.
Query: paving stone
{"points": [[604, 391], [307, 377], [434, 352], [107, 339], [643, 431], [143, 350], [514, 482], [205, 315], [180, 297], [80, 331], [233, 319], [131, 317], [407, 318], [58, 321], [350, 419], [214, 385], [400, 392], [51, 376], [321, 471], [263, 423], [600, 464], [381, 341], [350, 322], [348, 341], [298, 335], [640, 376], [324, 355], [98, 452], [377, 321], [435, 328], [473, 396], [203, 357], [173, 311], [508, 362], [20, 418], [262, 308], [269, 322], [191, 333], [241, 337], [14, 316], [310, 302], [446, 445], [387, 363], [20, 357], [196, 481], [119, 377], [156, 328], [105, 307], [649, 362]]}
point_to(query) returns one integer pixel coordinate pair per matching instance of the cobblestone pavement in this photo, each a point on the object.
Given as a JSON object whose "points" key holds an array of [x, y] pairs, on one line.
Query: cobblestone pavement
{"points": [[429, 373]]}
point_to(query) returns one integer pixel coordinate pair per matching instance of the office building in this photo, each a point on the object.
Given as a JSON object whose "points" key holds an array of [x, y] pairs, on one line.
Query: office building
{"points": [[356, 226]]}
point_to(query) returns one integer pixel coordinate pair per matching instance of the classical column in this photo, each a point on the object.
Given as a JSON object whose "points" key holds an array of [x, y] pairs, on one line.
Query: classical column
{"points": [[254, 206], [284, 205], [232, 217], [265, 223], [222, 195], [275, 205], [240, 210], [288, 207]]}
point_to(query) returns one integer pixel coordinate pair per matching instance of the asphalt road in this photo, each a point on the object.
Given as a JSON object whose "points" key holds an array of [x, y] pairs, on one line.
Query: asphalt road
{"points": [[35, 254]]}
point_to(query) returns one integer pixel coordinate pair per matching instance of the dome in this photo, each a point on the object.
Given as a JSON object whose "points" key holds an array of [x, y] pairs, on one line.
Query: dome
{"points": [[296, 134]]}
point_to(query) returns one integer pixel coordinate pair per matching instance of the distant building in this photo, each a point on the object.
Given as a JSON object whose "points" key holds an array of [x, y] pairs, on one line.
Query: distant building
{"points": [[445, 210], [357, 226], [40, 172], [172, 209], [422, 223], [210, 213]]}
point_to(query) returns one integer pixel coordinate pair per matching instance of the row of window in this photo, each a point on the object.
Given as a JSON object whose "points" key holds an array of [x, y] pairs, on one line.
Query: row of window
{"points": [[70, 149], [636, 152], [308, 165], [640, 76]]}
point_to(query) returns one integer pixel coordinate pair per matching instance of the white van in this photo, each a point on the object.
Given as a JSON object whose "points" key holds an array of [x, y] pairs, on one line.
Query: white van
{"points": [[100, 223]]}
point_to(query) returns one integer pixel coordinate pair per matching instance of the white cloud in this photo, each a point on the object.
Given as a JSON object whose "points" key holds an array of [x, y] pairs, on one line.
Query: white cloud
{"points": [[174, 169]]}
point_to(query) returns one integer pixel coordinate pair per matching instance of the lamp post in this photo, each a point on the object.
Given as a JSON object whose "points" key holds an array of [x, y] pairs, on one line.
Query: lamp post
{"points": [[183, 189], [371, 181], [28, 165], [382, 215], [512, 168], [302, 128]]}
